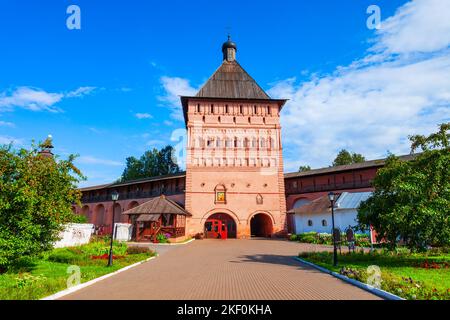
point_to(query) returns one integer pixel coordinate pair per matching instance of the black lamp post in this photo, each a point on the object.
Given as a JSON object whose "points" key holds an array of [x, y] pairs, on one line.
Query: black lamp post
{"points": [[331, 196], [114, 197]]}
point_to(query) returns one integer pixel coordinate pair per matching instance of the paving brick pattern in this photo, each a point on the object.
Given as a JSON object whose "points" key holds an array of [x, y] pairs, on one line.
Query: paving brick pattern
{"points": [[225, 269]]}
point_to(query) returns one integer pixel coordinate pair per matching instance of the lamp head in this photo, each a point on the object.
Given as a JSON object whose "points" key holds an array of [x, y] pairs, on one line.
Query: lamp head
{"points": [[331, 196], [115, 195]]}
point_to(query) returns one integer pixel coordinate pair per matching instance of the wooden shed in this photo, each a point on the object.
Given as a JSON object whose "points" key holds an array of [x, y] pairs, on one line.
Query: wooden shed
{"points": [[158, 216]]}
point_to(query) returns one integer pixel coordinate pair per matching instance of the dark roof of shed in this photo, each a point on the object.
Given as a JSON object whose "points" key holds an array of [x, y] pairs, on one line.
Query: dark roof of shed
{"points": [[158, 205], [319, 205]]}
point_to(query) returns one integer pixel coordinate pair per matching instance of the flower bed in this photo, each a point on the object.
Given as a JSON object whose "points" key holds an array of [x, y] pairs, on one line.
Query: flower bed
{"points": [[421, 276]]}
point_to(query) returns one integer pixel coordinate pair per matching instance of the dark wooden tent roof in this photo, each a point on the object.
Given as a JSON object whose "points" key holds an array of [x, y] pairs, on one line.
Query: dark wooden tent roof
{"points": [[231, 81], [159, 205]]}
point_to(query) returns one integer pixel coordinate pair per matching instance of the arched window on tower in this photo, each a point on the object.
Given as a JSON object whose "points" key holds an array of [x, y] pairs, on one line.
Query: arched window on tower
{"points": [[199, 143], [262, 143], [254, 142]]}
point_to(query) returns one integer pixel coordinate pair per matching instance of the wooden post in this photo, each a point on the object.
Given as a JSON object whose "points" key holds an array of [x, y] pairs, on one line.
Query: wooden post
{"points": [[137, 230]]}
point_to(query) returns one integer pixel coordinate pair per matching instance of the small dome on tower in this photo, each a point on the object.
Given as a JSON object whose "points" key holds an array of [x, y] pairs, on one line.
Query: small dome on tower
{"points": [[229, 44], [229, 49]]}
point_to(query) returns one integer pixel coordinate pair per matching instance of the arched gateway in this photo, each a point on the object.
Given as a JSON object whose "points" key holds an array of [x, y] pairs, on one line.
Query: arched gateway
{"points": [[220, 226], [261, 225]]}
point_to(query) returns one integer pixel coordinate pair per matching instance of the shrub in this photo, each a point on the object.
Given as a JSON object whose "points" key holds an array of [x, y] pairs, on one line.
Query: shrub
{"points": [[293, 237], [138, 250], [27, 279], [36, 197], [63, 256], [78, 218], [101, 247], [308, 237], [199, 236], [162, 238], [362, 240]]}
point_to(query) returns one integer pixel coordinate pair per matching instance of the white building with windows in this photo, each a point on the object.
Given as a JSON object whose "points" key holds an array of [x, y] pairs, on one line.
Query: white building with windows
{"points": [[316, 215]]}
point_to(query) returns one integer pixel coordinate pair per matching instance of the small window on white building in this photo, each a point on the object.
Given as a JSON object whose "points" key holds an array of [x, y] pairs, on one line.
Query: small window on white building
{"points": [[324, 223], [310, 223]]}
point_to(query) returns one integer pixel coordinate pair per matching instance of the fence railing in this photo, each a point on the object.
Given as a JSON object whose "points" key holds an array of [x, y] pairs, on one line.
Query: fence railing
{"points": [[327, 187], [131, 195]]}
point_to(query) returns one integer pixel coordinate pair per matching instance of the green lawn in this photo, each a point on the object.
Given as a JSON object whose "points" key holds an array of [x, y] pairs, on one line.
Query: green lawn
{"points": [[40, 277], [409, 275]]}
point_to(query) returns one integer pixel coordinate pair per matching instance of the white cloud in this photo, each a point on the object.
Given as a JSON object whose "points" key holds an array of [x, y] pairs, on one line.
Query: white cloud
{"points": [[8, 140], [417, 26], [36, 99], [81, 91], [143, 115], [94, 160], [155, 142], [6, 124], [372, 105], [174, 88]]}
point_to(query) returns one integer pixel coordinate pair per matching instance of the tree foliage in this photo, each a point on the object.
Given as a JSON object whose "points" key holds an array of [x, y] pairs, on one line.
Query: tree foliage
{"points": [[152, 163], [412, 198], [304, 168], [344, 157], [36, 197]]}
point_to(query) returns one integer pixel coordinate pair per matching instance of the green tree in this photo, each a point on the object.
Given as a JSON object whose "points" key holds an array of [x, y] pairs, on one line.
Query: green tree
{"points": [[152, 163], [412, 198], [133, 169], [36, 197], [344, 158], [304, 168]]}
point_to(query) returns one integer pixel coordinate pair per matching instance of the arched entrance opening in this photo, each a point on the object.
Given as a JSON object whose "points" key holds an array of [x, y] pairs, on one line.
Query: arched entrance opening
{"points": [[99, 215], [132, 204], [220, 226], [87, 213], [261, 225], [117, 213]]}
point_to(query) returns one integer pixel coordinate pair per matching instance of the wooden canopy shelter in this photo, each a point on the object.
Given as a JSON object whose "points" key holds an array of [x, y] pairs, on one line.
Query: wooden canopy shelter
{"points": [[158, 216]]}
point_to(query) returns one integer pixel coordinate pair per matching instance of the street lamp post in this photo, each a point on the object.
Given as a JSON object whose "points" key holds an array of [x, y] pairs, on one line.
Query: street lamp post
{"points": [[331, 196], [114, 197]]}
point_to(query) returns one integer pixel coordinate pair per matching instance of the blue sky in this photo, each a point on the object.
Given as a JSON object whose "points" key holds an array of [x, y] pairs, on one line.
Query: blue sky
{"points": [[110, 90]]}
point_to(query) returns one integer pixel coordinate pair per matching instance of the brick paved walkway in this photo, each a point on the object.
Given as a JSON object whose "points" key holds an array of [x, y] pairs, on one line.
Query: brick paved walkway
{"points": [[230, 269]]}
